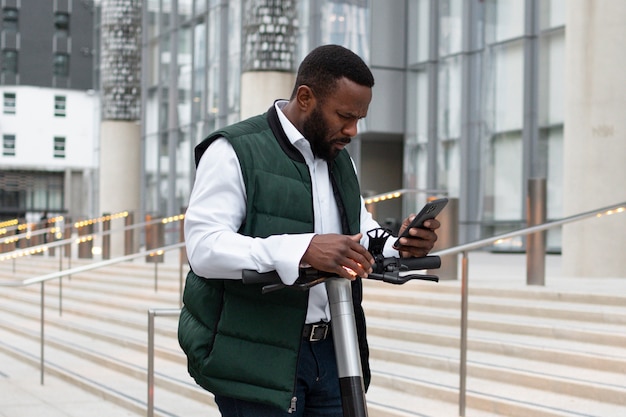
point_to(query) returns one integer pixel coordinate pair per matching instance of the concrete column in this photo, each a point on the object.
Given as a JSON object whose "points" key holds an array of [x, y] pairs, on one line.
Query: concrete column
{"points": [[120, 174], [120, 131], [595, 137], [259, 89], [269, 54]]}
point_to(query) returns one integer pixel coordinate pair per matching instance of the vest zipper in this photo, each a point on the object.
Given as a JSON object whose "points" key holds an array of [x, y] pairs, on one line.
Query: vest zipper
{"points": [[292, 407], [294, 399]]}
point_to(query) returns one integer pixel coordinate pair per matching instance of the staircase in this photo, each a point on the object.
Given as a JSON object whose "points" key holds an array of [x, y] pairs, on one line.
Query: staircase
{"points": [[532, 351]]}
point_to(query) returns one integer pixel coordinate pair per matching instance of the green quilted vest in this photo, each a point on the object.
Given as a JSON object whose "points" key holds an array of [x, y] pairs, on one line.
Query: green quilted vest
{"points": [[239, 342]]}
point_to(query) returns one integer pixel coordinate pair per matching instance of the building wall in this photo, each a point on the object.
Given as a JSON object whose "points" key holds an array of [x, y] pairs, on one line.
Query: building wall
{"points": [[37, 161], [387, 110], [484, 89], [120, 91], [39, 39], [35, 125], [473, 90], [595, 143], [52, 46]]}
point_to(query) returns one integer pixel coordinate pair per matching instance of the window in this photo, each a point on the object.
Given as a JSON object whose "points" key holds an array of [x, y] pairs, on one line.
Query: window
{"points": [[8, 145], [59, 106], [61, 64], [10, 18], [9, 103], [62, 23], [59, 147], [9, 61]]}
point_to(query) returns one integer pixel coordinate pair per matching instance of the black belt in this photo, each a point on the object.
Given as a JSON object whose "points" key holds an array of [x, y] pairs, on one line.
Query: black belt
{"points": [[315, 332]]}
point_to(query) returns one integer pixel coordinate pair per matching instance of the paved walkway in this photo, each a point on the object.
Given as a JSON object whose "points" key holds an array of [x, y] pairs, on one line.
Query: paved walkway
{"points": [[509, 270], [22, 395]]}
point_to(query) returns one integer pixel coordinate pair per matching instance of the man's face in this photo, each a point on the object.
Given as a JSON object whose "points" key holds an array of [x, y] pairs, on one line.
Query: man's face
{"points": [[317, 132], [332, 123]]}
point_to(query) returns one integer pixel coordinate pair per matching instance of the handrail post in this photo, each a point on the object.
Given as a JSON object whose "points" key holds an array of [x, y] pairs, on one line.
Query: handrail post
{"points": [[129, 237], [106, 236], [151, 315], [60, 296], [41, 337], [448, 237], [463, 359], [60, 258], [67, 248], [182, 258], [536, 242]]}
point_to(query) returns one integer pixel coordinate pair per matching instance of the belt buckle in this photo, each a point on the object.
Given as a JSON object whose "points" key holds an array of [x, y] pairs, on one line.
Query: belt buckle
{"points": [[313, 337]]}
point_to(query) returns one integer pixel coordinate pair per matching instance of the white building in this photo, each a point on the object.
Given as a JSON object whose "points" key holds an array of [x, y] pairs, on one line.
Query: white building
{"points": [[49, 144]]}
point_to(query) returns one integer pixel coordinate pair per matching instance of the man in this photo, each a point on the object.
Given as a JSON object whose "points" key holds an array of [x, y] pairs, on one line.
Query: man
{"points": [[276, 192]]}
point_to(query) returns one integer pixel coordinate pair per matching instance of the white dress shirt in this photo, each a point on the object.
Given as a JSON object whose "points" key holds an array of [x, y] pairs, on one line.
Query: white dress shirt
{"points": [[217, 207]]}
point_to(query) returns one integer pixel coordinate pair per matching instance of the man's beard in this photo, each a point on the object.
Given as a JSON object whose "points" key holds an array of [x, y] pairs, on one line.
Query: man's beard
{"points": [[315, 131]]}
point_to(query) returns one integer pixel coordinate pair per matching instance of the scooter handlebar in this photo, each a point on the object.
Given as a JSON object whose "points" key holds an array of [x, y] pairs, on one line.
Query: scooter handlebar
{"points": [[425, 262], [250, 276], [309, 277]]}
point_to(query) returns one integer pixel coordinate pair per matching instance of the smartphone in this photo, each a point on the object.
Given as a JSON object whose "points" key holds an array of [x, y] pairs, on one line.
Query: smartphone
{"points": [[429, 211]]}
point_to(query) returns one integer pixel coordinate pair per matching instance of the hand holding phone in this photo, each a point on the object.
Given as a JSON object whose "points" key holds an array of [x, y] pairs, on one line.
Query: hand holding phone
{"points": [[429, 211]]}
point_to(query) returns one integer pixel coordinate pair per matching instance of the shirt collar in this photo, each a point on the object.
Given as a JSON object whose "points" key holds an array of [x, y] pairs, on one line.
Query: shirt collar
{"points": [[290, 130]]}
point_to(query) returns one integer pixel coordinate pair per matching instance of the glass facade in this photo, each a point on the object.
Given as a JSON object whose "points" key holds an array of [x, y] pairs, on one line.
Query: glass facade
{"points": [[483, 95], [192, 55], [191, 87], [478, 124]]}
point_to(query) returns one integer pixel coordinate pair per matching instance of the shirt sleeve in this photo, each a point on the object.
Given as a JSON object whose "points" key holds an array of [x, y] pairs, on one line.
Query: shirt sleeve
{"points": [[217, 208]]}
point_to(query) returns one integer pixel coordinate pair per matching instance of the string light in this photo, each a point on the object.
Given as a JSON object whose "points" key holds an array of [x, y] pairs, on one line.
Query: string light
{"points": [[101, 219], [173, 219], [383, 197]]}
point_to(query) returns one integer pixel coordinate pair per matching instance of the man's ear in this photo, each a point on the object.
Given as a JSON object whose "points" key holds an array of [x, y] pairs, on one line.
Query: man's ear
{"points": [[305, 98]]}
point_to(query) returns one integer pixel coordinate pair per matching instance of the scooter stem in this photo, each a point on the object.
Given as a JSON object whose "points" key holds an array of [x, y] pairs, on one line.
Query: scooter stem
{"points": [[346, 347]]}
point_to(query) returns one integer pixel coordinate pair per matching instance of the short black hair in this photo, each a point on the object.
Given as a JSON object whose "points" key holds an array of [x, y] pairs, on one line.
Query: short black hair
{"points": [[325, 65]]}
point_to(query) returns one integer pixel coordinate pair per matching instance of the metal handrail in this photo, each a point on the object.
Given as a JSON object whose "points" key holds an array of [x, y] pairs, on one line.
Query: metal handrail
{"points": [[61, 242], [465, 248], [67, 272], [89, 267], [459, 249], [152, 313], [478, 244]]}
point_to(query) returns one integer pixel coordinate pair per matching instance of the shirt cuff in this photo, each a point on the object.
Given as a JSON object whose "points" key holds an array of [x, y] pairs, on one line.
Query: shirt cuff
{"points": [[287, 251]]}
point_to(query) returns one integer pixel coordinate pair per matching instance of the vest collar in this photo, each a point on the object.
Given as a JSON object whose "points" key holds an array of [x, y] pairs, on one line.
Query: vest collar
{"points": [[281, 137]]}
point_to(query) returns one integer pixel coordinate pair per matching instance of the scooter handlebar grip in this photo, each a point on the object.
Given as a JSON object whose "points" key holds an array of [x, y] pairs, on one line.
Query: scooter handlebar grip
{"points": [[425, 262], [250, 276]]}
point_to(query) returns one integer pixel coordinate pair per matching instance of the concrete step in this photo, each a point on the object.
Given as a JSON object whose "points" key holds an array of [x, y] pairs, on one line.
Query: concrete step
{"points": [[99, 344], [115, 380], [555, 366], [523, 303], [603, 341], [22, 394], [532, 351]]}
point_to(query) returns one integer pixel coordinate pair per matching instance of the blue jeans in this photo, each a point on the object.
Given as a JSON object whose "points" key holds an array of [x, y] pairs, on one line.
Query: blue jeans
{"points": [[317, 389]]}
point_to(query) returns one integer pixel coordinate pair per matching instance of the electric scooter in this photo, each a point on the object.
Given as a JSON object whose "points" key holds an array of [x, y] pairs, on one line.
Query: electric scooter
{"points": [[391, 270]]}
